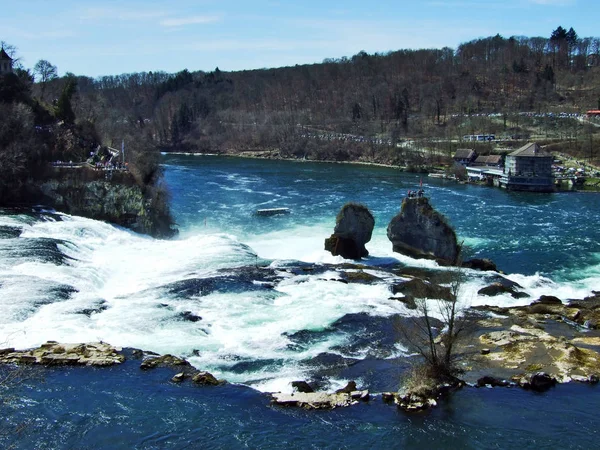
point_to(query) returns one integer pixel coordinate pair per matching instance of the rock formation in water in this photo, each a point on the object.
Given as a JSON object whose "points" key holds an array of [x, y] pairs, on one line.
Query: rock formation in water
{"points": [[353, 229], [53, 353], [419, 231]]}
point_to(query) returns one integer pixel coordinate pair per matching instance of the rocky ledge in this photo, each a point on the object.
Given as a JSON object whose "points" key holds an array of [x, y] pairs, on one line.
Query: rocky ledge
{"points": [[306, 398], [101, 354], [53, 353], [319, 400], [549, 336]]}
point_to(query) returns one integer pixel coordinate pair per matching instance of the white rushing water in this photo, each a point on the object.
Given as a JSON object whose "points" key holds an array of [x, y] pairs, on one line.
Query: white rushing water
{"points": [[117, 294]]}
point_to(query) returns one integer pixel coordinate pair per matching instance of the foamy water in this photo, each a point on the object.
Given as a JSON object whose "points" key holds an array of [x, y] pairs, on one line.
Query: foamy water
{"points": [[78, 280]]}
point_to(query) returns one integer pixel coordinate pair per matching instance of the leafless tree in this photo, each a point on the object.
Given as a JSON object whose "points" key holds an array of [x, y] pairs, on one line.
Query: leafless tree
{"points": [[45, 72], [436, 330]]}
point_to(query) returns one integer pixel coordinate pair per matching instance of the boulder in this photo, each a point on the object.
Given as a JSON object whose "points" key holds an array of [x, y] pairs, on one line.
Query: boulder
{"points": [[414, 402], [302, 386], [388, 397], [348, 389], [419, 231], [480, 264], [163, 361], [417, 288], [538, 382], [408, 301], [353, 229], [498, 288], [206, 378], [548, 300], [178, 378]]}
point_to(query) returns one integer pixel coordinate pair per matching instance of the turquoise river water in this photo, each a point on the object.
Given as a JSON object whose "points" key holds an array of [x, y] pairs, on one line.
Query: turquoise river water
{"points": [[72, 279]]}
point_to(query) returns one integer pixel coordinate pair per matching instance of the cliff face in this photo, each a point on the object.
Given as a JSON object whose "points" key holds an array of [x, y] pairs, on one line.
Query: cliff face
{"points": [[123, 204], [420, 231]]}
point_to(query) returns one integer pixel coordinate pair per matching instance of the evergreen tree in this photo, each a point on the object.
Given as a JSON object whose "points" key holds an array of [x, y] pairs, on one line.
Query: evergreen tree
{"points": [[64, 111]]}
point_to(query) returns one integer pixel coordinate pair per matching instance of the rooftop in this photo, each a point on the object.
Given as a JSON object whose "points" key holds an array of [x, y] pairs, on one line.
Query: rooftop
{"points": [[4, 55], [464, 153], [531, 149], [489, 160]]}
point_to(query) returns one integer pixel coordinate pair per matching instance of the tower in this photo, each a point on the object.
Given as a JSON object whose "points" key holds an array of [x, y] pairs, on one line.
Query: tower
{"points": [[5, 62]]}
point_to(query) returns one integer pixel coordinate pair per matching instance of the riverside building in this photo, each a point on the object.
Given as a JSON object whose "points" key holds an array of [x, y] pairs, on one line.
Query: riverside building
{"points": [[528, 169]]}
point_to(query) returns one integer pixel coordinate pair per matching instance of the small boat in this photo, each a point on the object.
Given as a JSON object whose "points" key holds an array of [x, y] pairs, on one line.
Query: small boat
{"points": [[272, 211]]}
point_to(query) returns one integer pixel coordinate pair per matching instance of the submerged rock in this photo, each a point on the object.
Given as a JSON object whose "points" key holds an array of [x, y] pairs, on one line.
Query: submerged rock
{"points": [[419, 231], [498, 288], [493, 382], [353, 229]]}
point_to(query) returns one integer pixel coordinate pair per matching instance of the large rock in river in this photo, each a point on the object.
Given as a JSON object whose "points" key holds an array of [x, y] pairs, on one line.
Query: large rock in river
{"points": [[353, 229], [419, 231]]}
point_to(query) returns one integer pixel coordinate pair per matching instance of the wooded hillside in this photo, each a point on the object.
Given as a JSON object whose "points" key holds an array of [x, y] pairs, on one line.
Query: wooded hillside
{"points": [[359, 107]]}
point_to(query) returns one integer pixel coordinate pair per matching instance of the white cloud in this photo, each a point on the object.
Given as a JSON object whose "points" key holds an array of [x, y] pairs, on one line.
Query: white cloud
{"points": [[180, 21]]}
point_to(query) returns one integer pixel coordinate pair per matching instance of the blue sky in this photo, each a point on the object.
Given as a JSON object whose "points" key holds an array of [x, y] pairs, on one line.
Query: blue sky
{"points": [[90, 37]]}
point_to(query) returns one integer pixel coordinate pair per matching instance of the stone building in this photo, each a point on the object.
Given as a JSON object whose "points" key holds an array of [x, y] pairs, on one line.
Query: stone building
{"points": [[528, 169], [5, 62]]}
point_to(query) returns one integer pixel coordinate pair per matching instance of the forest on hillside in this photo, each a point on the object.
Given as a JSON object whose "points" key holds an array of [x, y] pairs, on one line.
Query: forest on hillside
{"points": [[357, 108]]}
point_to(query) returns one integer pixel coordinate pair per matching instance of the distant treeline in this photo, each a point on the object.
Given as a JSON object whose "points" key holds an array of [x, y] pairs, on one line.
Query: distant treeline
{"points": [[391, 96]]}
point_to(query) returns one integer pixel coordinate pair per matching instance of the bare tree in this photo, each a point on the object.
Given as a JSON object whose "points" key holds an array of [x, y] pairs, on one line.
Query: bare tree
{"points": [[45, 72], [435, 332]]}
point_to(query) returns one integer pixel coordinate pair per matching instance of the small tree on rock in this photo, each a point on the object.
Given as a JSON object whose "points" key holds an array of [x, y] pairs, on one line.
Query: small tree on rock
{"points": [[435, 333]]}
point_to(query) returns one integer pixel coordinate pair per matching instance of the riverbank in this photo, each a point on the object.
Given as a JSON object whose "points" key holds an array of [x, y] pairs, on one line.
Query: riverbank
{"points": [[592, 187]]}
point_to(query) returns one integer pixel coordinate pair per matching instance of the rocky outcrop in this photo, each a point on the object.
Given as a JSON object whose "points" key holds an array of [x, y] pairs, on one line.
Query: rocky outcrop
{"points": [[417, 288], [101, 354], [153, 362], [482, 264], [200, 377], [539, 382], [546, 335], [302, 386], [53, 353], [119, 200], [418, 399], [498, 288], [419, 231], [319, 400], [206, 379], [353, 229]]}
